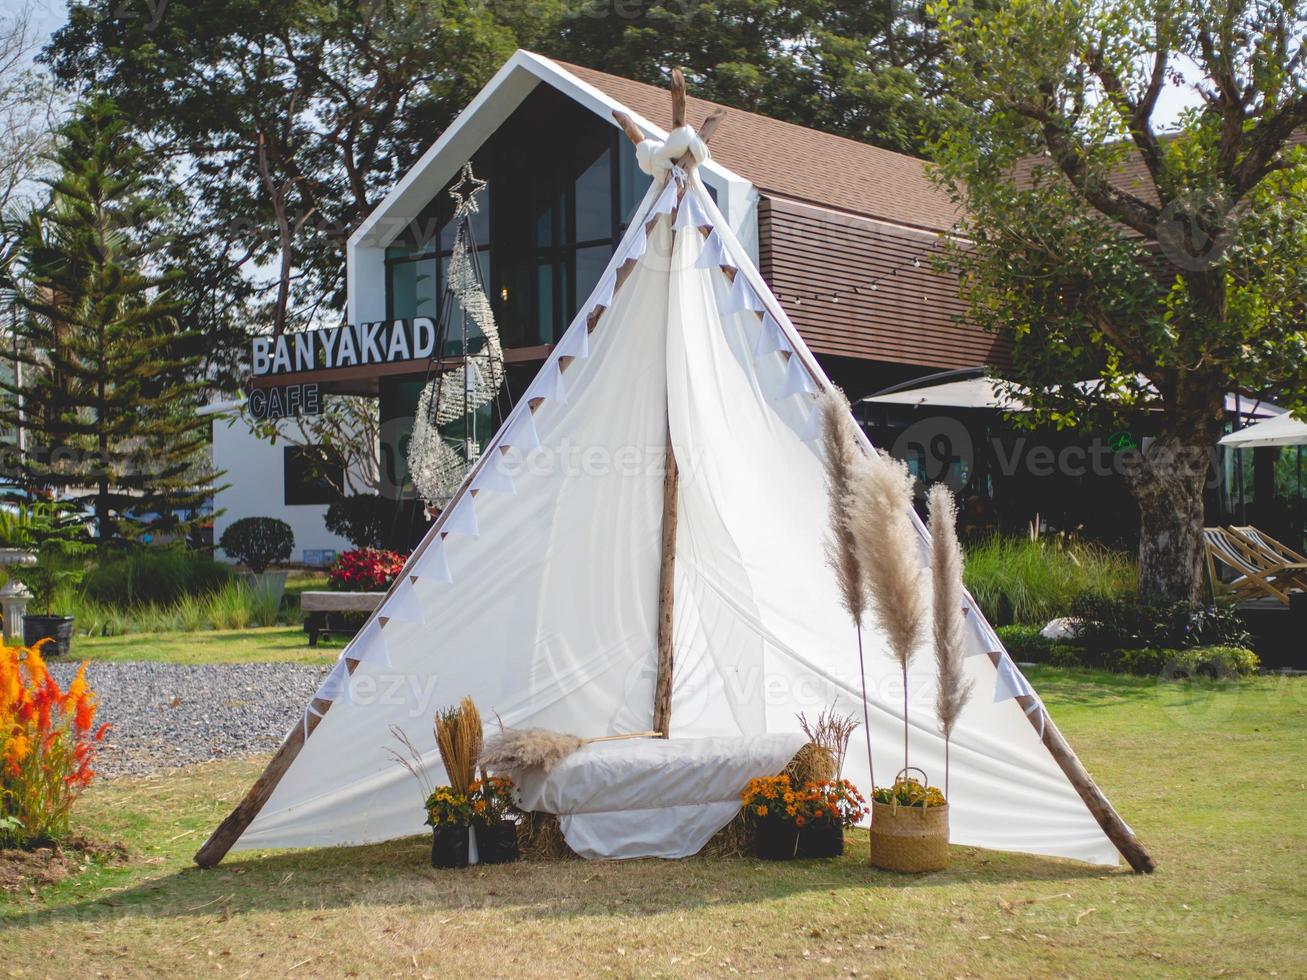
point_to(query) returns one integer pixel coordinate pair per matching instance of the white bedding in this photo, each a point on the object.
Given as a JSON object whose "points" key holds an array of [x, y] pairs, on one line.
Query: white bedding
{"points": [[652, 797]]}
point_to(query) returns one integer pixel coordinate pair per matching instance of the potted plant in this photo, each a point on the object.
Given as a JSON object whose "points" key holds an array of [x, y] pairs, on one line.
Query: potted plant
{"points": [[826, 810], [909, 825], [60, 563], [59, 539], [257, 542], [492, 807], [773, 807], [449, 814]]}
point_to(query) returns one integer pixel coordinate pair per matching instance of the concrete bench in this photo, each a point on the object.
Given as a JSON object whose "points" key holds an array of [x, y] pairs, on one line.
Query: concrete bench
{"points": [[318, 608]]}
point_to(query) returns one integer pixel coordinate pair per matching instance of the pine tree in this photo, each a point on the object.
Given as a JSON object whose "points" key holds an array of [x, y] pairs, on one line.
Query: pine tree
{"points": [[106, 398]]}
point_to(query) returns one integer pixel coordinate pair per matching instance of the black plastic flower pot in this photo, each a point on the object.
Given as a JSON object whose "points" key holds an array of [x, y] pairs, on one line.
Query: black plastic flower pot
{"points": [[496, 841], [775, 840], [57, 629], [821, 839], [449, 846]]}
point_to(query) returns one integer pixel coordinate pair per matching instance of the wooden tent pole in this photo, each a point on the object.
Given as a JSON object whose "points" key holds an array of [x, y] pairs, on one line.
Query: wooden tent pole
{"points": [[1060, 749], [662, 717], [227, 832]]}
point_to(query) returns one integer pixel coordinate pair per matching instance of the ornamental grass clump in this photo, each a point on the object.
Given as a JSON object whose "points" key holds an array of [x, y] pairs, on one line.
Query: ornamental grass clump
{"points": [[48, 742]]}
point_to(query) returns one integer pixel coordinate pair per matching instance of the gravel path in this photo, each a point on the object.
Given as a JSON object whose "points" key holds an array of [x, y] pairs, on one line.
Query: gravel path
{"points": [[167, 715]]}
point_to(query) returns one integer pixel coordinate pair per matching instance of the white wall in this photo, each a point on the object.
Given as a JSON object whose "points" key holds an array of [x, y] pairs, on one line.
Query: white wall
{"points": [[255, 472]]}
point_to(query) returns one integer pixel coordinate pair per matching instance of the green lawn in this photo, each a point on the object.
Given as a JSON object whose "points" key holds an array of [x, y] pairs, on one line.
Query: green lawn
{"points": [[258, 645], [1211, 777]]}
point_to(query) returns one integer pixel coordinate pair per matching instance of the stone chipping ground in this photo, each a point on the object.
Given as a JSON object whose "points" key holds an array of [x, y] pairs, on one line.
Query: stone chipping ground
{"points": [[166, 715]]}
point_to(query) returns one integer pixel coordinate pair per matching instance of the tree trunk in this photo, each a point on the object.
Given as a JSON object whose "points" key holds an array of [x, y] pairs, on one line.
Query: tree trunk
{"points": [[1168, 483]]}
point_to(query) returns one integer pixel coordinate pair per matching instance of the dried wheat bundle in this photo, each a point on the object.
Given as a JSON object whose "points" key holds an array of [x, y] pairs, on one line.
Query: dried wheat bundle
{"points": [[832, 732], [458, 736], [946, 573], [888, 549], [515, 749]]}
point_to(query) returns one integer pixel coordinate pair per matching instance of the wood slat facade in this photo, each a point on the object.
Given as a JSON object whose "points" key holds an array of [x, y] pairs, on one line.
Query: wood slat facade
{"points": [[821, 264]]}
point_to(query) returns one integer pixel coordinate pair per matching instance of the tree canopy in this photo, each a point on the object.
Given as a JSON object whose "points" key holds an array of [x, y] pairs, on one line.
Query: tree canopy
{"points": [[1136, 269]]}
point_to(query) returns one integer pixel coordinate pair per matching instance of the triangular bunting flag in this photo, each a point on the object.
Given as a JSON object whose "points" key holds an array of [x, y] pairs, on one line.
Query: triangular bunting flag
{"points": [[369, 647], [432, 565], [797, 379], [713, 254], [603, 295], [336, 687], [549, 386], [575, 343], [666, 200], [741, 296], [638, 244], [1010, 683], [463, 519], [404, 604], [521, 433], [771, 338], [492, 476], [812, 428], [690, 215]]}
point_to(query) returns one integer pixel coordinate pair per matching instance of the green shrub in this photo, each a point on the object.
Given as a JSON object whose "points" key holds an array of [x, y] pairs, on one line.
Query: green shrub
{"points": [[257, 542], [1024, 643], [1028, 582], [1206, 661], [1136, 624], [362, 519], [158, 576]]}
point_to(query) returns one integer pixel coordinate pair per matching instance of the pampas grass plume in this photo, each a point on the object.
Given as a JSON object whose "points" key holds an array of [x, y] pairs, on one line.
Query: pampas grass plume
{"points": [[846, 464], [946, 574], [888, 549]]}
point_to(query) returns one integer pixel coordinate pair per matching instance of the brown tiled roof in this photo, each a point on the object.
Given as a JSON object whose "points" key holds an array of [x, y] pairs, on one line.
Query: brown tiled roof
{"points": [[796, 162]]}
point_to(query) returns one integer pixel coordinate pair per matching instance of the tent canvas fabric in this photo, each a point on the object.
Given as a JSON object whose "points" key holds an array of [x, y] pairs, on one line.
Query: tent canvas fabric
{"points": [[536, 592]]}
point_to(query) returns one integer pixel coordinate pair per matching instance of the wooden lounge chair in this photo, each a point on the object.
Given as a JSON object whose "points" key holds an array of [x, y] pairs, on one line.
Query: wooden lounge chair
{"points": [[1275, 551], [1258, 573]]}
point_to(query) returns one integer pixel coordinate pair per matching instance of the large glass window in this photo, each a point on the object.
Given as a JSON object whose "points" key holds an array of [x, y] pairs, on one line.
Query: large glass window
{"points": [[550, 232]]}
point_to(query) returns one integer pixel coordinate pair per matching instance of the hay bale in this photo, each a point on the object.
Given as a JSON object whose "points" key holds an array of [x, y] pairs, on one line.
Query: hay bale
{"points": [[735, 840], [540, 838], [811, 764]]}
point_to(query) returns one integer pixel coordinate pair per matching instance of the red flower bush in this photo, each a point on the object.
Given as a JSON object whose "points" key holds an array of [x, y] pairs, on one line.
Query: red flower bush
{"points": [[48, 742], [366, 570]]}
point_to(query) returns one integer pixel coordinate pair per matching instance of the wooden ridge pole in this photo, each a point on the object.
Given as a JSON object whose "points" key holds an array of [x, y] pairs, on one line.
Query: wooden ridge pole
{"points": [[662, 716], [1060, 749]]}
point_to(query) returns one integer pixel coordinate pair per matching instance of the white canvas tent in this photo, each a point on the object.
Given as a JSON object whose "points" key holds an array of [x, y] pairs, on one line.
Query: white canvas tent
{"points": [[537, 592]]}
